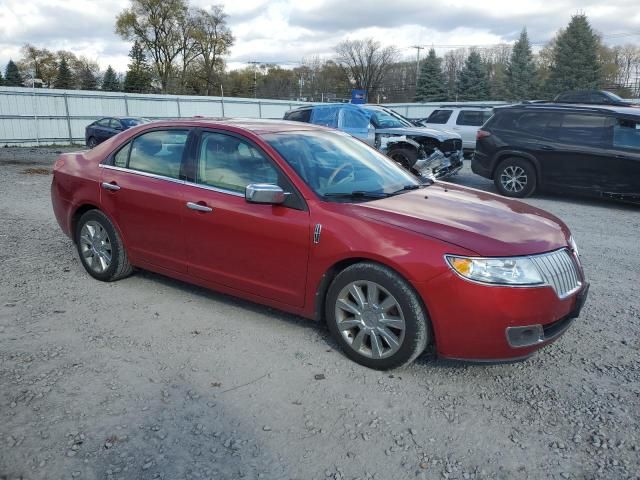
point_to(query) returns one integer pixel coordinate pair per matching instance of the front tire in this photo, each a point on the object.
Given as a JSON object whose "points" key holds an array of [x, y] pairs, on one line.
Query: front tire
{"points": [[100, 247], [405, 157], [376, 316], [92, 142], [515, 177]]}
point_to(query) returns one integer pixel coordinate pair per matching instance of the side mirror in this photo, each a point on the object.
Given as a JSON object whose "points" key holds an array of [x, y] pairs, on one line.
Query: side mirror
{"points": [[264, 193]]}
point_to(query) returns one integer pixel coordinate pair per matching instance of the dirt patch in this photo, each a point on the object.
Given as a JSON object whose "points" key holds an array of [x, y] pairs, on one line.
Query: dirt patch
{"points": [[36, 171], [153, 378]]}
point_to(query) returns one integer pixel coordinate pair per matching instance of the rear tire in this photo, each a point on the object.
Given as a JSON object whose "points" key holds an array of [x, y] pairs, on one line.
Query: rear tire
{"points": [[376, 316], [405, 157], [100, 247], [515, 177]]}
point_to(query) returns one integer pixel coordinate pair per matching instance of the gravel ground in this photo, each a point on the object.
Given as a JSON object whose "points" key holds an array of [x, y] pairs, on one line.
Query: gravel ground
{"points": [[153, 378]]}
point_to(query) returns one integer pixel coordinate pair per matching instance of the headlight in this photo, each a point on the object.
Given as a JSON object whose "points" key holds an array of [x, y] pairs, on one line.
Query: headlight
{"points": [[501, 271], [573, 245]]}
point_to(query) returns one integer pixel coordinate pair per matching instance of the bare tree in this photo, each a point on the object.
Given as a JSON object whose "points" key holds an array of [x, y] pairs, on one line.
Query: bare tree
{"points": [[39, 63], [212, 39], [366, 62], [157, 25]]}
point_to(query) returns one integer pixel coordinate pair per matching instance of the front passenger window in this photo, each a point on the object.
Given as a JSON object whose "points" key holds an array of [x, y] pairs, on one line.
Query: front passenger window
{"points": [[159, 152], [228, 163]]}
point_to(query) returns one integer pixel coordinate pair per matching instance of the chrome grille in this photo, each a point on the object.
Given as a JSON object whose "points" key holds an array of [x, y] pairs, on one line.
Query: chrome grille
{"points": [[559, 270]]}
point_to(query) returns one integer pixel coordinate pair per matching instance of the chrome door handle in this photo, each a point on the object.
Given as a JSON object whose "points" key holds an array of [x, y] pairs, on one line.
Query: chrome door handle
{"points": [[198, 207], [110, 186]]}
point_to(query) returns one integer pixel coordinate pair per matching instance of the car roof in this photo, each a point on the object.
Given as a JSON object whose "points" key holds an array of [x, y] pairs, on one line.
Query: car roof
{"points": [[462, 107], [253, 125], [576, 107]]}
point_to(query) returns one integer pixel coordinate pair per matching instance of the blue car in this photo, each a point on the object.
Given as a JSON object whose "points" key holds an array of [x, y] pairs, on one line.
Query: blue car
{"points": [[425, 151], [98, 131]]}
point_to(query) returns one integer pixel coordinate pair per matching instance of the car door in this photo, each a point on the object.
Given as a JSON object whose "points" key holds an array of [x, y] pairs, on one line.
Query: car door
{"points": [[254, 248], [142, 191], [625, 166], [467, 124], [356, 122], [581, 155], [115, 127], [103, 129]]}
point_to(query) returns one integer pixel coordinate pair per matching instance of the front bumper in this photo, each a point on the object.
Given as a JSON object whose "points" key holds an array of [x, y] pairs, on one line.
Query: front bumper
{"points": [[449, 168], [471, 321], [529, 335]]}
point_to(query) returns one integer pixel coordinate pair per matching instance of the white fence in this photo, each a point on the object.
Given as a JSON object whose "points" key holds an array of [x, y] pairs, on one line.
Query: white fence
{"points": [[46, 116]]}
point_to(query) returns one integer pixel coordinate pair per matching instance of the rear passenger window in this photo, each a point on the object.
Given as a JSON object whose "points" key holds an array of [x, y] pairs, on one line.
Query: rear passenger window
{"points": [[541, 124], [474, 118], [585, 129], [300, 115], [626, 134], [439, 116], [159, 152], [121, 158]]}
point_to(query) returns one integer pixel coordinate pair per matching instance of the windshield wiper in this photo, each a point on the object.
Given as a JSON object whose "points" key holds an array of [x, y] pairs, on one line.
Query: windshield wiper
{"points": [[406, 188], [356, 194]]}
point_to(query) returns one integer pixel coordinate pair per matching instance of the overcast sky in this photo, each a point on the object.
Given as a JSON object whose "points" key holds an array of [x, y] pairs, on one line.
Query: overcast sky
{"points": [[284, 31]]}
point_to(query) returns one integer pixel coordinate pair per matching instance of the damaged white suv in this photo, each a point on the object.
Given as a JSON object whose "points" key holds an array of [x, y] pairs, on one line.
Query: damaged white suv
{"points": [[425, 151]]}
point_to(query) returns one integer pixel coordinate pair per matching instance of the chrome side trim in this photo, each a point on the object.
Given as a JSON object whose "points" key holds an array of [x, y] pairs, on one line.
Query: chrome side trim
{"points": [[316, 233], [143, 174], [214, 189]]}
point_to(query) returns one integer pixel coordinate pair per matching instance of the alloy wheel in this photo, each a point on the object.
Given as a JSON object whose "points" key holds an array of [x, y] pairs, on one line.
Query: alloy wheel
{"points": [[514, 179], [95, 246], [370, 319]]}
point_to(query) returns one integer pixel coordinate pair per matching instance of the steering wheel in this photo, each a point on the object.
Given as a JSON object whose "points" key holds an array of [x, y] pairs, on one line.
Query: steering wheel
{"points": [[350, 176]]}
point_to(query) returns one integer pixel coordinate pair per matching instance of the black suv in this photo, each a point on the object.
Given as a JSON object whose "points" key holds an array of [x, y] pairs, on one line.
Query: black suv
{"points": [[598, 97], [589, 150]]}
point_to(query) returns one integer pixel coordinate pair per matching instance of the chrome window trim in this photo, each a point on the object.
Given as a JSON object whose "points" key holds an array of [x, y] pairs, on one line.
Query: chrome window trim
{"points": [[578, 273], [174, 180], [141, 173], [215, 189]]}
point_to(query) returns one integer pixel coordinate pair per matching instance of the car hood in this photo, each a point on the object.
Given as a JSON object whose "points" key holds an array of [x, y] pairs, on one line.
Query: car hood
{"points": [[482, 222], [440, 135]]}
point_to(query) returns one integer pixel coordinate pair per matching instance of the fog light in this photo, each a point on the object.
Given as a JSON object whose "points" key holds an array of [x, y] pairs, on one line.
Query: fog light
{"points": [[519, 337]]}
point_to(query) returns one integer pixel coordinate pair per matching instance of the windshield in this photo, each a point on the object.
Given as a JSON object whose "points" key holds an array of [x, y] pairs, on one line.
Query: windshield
{"points": [[382, 118], [334, 164], [614, 97]]}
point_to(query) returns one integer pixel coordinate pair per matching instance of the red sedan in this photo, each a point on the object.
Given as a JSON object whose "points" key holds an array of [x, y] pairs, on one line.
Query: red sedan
{"points": [[314, 222]]}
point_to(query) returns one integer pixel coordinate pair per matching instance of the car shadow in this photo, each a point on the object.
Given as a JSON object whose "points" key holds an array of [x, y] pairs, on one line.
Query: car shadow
{"points": [[428, 359], [233, 301], [480, 183]]}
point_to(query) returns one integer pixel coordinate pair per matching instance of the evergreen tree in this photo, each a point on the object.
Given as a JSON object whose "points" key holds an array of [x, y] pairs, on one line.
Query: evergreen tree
{"points": [[575, 57], [431, 85], [12, 77], [521, 70], [87, 79], [110, 81], [64, 78], [1, 79], [472, 82], [138, 77]]}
